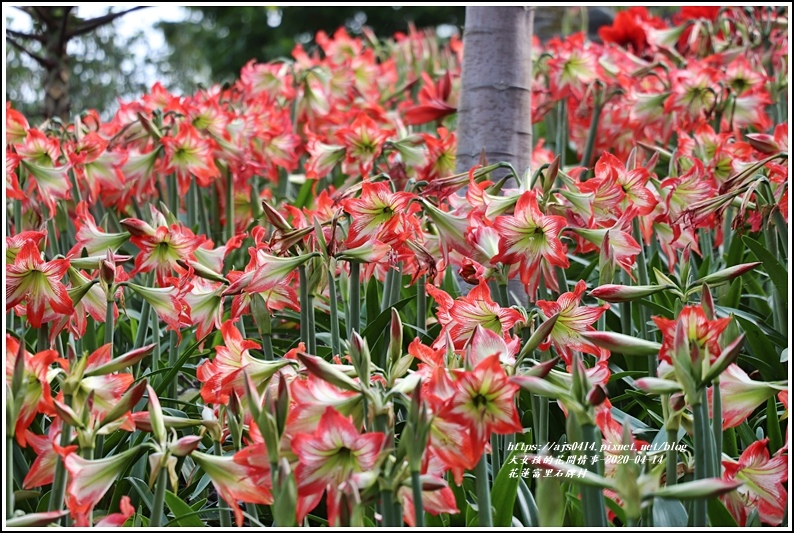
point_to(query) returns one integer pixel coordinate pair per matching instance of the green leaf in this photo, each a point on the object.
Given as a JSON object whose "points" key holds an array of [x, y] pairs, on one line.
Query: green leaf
{"points": [[763, 350], [372, 300], [171, 376], [719, 516], [615, 507], [551, 502], [669, 513], [202, 484], [377, 327], [504, 490], [777, 272], [527, 505], [143, 491], [180, 510]]}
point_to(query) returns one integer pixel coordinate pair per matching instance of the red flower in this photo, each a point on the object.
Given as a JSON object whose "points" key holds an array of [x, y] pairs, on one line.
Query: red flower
{"points": [[628, 29], [484, 401], [529, 237], [37, 282], [763, 487], [461, 316], [381, 213], [332, 454], [433, 101], [188, 154], [700, 330], [574, 319]]}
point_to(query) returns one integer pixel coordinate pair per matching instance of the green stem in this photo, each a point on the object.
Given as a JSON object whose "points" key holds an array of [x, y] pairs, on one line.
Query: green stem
{"points": [[223, 509], [42, 342], [267, 337], [89, 342], [702, 460], [229, 205], [716, 425], [109, 324], [419, 513], [143, 324], [591, 134], [18, 216], [51, 238], [312, 334], [304, 304], [672, 457], [354, 320], [9, 473], [173, 357], [158, 502], [542, 401], [204, 222], [782, 232], [496, 460], [157, 353], [592, 497], [255, 209], [421, 303], [173, 195], [385, 301], [190, 204], [397, 281], [59, 480], [483, 488], [336, 344], [387, 508], [215, 215], [729, 442]]}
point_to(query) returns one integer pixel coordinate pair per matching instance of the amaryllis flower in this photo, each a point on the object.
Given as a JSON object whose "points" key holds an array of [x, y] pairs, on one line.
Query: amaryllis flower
{"points": [[629, 29], [91, 237], [224, 374], [38, 283], [363, 140], [763, 485], [161, 248], [126, 510], [14, 244], [237, 479], [381, 213], [484, 401], [310, 398], [42, 471], [573, 320], [168, 302], [485, 343], [528, 237], [690, 188], [701, 331], [90, 480], [35, 389], [741, 395], [206, 306], [189, 154], [437, 497], [332, 453], [459, 317], [433, 101]]}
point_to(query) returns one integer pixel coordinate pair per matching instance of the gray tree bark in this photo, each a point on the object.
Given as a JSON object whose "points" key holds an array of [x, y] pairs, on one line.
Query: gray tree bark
{"points": [[494, 109]]}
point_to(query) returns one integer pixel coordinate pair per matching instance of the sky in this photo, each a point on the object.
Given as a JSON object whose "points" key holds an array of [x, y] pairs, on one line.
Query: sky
{"points": [[126, 26]]}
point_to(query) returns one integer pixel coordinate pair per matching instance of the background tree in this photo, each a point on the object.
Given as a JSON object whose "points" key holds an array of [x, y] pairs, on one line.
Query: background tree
{"points": [[45, 51], [226, 38]]}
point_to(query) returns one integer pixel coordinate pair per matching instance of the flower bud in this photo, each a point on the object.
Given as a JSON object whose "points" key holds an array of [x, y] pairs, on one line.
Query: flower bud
{"points": [[624, 293]]}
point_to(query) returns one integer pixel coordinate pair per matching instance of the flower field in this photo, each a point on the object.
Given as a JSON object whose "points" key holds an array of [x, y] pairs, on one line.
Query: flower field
{"points": [[278, 302]]}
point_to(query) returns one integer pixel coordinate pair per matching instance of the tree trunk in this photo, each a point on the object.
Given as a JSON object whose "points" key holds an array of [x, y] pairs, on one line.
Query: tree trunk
{"points": [[494, 110], [56, 80]]}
